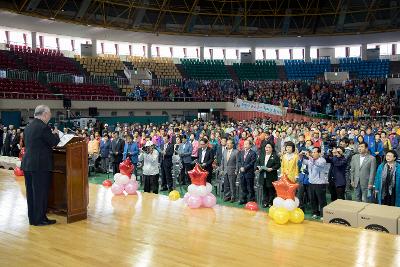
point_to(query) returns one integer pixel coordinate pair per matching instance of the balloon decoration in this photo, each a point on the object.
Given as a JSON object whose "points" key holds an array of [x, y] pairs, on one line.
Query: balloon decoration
{"points": [[18, 171], [285, 205], [126, 167], [174, 195], [107, 183], [252, 206], [125, 180], [199, 192]]}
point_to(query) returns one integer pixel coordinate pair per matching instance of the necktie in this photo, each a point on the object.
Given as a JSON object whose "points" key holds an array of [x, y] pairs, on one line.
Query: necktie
{"points": [[228, 155], [245, 154]]}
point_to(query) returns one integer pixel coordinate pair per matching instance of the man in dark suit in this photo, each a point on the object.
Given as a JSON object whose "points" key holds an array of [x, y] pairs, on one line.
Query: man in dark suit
{"points": [[117, 151], [205, 158], [167, 151], [220, 151], [247, 165], [6, 142], [2, 131], [14, 143], [37, 165]]}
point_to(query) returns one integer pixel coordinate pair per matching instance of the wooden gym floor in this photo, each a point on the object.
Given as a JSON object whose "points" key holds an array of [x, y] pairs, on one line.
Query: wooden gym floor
{"points": [[150, 230]]}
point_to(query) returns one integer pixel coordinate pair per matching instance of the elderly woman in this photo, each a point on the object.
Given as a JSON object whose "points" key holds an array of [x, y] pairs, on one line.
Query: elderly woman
{"points": [[151, 172], [387, 181]]}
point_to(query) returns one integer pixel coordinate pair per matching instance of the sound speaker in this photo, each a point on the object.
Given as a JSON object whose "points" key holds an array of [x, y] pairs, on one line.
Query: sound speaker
{"points": [[67, 103], [92, 112]]}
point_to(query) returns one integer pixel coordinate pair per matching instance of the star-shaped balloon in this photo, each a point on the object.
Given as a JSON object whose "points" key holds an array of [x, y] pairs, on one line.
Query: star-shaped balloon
{"points": [[198, 175], [126, 167], [285, 188]]}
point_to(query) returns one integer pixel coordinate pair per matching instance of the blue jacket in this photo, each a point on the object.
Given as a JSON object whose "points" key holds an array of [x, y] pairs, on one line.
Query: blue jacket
{"points": [[185, 152], [303, 177], [105, 148], [378, 183], [133, 151], [338, 167], [374, 149], [370, 140]]}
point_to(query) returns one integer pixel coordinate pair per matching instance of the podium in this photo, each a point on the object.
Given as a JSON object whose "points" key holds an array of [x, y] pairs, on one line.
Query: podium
{"points": [[69, 189]]}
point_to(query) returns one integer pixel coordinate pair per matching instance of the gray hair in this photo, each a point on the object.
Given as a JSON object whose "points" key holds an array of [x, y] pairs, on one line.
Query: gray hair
{"points": [[40, 110]]}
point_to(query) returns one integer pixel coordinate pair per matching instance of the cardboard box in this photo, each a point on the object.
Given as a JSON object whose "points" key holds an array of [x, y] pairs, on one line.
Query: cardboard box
{"points": [[343, 212], [380, 218]]}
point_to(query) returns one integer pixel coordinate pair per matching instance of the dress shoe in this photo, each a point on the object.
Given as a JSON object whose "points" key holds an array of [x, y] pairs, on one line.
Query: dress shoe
{"points": [[45, 223], [226, 199], [265, 205], [242, 202], [164, 189], [232, 200]]}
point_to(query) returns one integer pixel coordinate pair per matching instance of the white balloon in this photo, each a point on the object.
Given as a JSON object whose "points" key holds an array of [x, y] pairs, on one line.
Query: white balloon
{"points": [[18, 164], [133, 177], [297, 201], [122, 180], [278, 202], [116, 176], [192, 188], [289, 204], [202, 190], [209, 187]]}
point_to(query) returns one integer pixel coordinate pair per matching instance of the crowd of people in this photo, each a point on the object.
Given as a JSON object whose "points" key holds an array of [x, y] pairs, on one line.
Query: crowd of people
{"points": [[348, 159], [350, 99]]}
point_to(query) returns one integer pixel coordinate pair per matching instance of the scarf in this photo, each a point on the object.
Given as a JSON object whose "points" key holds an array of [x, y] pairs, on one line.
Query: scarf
{"points": [[384, 177]]}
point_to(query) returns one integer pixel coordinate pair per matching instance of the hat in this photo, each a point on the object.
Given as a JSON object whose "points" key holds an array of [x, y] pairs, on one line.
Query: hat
{"points": [[149, 143]]}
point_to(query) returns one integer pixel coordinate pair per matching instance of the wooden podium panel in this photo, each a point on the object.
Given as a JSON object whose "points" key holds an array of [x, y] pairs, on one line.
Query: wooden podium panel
{"points": [[69, 190]]}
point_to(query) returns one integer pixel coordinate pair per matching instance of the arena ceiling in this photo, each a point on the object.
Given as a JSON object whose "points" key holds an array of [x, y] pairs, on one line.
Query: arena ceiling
{"points": [[268, 18]]}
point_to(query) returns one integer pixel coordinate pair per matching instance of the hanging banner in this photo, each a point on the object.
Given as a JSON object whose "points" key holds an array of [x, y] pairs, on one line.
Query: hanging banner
{"points": [[258, 107]]}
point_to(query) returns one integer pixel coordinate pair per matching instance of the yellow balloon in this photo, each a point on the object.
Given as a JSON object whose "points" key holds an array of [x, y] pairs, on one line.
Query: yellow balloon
{"points": [[297, 216], [174, 195], [271, 211], [281, 216]]}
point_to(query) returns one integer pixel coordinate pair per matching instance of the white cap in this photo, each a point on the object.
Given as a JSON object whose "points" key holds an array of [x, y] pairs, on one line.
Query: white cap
{"points": [[148, 143]]}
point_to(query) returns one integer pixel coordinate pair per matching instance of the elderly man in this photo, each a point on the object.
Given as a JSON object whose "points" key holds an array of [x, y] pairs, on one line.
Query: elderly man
{"points": [[37, 164]]}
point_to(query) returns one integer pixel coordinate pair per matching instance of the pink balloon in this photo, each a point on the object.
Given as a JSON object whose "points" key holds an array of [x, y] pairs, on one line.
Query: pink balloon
{"points": [[186, 197], [134, 183], [130, 189], [194, 202], [209, 200], [117, 189]]}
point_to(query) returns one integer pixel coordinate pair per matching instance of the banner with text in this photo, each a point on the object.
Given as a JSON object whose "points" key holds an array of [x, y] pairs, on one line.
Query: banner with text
{"points": [[258, 107]]}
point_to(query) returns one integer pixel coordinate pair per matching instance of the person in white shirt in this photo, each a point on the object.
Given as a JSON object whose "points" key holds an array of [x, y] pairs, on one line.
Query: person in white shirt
{"points": [[151, 171]]}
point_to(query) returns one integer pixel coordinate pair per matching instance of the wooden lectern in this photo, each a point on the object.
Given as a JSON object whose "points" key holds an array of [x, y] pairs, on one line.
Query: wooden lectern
{"points": [[69, 190]]}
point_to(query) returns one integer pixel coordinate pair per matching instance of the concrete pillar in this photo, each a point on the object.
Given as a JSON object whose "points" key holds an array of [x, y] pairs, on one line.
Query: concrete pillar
{"points": [[253, 54], [149, 55], [364, 51], [201, 53], [33, 36], [94, 47], [307, 54]]}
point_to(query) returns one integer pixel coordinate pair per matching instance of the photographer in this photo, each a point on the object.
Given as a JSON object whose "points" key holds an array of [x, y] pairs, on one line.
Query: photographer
{"points": [[337, 173], [149, 157]]}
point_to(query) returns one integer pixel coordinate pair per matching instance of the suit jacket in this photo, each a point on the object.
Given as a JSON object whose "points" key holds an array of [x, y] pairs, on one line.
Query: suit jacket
{"points": [[274, 162], [365, 174], [219, 154], [231, 166], [248, 163], [166, 158], [117, 146], [14, 144], [208, 158], [6, 145], [39, 143], [133, 152], [185, 152], [338, 169]]}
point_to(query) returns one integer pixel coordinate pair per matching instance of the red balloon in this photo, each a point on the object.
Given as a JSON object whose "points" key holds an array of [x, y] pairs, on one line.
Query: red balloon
{"points": [[198, 176], [18, 172], [126, 167], [252, 206], [21, 153], [285, 188], [107, 183]]}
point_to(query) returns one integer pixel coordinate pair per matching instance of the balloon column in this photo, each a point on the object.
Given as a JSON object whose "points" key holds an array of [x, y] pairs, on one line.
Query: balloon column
{"points": [[17, 170], [124, 180], [285, 205], [199, 192]]}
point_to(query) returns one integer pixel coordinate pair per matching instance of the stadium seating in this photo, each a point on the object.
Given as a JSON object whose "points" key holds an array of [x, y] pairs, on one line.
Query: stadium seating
{"points": [[84, 91], [261, 70], [107, 65], [163, 68], [13, 88], [207, 70], [300, 70], [6, 61], [43, 59], [377, 68]]}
